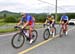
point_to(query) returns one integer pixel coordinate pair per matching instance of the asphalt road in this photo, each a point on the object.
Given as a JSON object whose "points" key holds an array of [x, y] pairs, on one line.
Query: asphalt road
{"points": [[64, 45]]}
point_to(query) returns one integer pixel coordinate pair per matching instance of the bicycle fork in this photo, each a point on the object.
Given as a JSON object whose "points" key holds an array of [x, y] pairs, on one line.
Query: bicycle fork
{"points": [[50, 30]]}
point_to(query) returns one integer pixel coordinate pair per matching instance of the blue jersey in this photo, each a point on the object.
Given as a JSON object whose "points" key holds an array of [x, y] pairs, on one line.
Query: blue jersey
{"points": [[64, 17], [28, 18]]}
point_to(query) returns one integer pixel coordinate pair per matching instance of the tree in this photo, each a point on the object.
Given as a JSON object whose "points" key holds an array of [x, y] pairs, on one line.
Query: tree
{"points": [[11, 19], [4, 15]]}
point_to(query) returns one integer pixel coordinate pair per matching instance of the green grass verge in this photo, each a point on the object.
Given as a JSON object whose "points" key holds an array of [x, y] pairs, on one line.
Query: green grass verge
{"points": [[1, 24], [7, 30], [37, 26]]}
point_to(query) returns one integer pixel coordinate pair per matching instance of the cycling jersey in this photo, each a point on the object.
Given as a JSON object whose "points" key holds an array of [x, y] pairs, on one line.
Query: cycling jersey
{"points": [[63, 18], [50, 20], [27, 18]]}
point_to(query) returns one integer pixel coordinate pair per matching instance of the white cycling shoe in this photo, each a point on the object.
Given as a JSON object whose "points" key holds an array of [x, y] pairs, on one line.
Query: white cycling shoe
{"points": [[53, 34], [66, 32], [31, 41]]}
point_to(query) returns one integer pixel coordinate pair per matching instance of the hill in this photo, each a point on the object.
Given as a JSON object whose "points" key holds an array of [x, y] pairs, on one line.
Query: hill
{"points": [[6, 13]]}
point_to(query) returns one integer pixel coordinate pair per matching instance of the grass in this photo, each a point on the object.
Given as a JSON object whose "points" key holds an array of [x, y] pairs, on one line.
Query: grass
{"points": [[1, 24], [7, 30], [37, 26], [11, 25]]}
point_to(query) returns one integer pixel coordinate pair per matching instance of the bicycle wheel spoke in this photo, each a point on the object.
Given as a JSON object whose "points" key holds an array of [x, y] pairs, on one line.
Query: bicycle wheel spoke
{"points": [[46, 34], [17, 40], [34, 35]]}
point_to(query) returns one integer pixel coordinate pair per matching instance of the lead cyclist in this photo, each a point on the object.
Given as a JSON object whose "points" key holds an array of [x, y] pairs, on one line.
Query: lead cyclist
{"points": [[27, 21]]}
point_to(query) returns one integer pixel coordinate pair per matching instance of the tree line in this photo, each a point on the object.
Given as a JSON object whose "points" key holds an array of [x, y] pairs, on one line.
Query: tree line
{"points": [[40, 17]]}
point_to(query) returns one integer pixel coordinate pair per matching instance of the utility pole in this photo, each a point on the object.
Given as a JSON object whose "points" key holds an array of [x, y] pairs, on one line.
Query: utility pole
{"points": [[56, 11]]}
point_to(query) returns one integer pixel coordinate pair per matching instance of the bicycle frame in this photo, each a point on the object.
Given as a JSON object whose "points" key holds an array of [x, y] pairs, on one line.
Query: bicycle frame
{"points": [[64, 27], [22, 31], [49, 27]]}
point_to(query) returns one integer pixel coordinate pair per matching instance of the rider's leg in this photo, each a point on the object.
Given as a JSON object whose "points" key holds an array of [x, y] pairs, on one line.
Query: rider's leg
{"points": [[62, 26], [66, 29], [53, 30], [30, 32], [30, 35]]}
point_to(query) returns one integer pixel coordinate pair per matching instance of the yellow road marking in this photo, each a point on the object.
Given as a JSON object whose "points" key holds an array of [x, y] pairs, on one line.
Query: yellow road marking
{"points": [[39, 44]]}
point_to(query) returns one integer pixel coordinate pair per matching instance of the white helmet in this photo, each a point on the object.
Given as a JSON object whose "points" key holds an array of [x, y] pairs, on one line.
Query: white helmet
{"points": [[52, 16], [22, 13]]}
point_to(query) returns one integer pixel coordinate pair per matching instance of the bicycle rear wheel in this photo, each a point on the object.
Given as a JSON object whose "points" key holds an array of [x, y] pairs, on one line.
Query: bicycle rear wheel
{"points": [[18, 40], [34, 35], [46, 34]]}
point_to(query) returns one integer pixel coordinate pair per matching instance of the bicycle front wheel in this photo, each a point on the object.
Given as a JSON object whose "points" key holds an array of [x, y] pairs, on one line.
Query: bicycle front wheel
{"points": [[46, 34], [18, 40]]}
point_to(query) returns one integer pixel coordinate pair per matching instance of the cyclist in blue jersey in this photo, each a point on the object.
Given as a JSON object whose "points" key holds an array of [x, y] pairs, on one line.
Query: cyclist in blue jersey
{"points": [[27, 21], [64, 20]]}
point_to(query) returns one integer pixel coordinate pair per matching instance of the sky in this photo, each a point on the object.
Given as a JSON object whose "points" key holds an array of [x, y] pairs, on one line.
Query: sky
{"points": [[37, 6]]}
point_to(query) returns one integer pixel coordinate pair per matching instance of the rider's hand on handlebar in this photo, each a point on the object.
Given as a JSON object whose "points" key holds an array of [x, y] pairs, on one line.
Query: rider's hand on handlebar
{"points": [[22, 27], [43, 25], [15, 26]]}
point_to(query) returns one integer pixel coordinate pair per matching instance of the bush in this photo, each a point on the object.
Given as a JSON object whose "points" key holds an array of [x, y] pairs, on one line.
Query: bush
{"points": [[11, 19]]}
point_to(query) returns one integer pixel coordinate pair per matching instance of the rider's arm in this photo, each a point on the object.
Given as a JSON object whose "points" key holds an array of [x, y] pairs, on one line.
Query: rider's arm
{"points": [[19, 23], [53, 21], [67, 20], [60, 21], [33, 18], [27, 22], [46, 21], [22, 19]]}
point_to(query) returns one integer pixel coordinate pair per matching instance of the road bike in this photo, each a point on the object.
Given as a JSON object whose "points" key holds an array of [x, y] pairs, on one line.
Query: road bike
{"points": [[48, 31], [63, 30], [19, 38]]}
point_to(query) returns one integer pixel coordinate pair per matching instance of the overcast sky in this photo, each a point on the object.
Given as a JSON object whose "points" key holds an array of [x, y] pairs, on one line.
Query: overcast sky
{"points": [[37, 6]]}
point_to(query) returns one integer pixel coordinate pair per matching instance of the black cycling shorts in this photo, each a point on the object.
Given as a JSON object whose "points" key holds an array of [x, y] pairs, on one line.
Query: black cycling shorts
{"points": [[64, 21]]}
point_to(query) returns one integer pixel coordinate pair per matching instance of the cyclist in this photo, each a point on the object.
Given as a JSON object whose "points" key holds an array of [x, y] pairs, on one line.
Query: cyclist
{"points": [[28, 21], [64, 20], [50, 19]]}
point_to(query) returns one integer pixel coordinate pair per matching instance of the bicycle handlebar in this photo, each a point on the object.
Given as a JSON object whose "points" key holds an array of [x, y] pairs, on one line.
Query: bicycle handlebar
{"points": [[20, 28], [47, 25]]}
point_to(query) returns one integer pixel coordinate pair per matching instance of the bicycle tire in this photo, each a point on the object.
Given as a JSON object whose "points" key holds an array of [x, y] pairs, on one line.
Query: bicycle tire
{"points": [[44, 34], [13, 38], [36, 35]]}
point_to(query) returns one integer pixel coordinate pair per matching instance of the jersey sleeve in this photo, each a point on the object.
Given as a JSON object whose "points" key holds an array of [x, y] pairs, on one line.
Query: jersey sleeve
{"points": [[22, 19]]}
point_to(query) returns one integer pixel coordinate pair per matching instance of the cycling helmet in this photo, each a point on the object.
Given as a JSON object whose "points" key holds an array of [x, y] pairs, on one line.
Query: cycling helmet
{"points": [[52, 16], [22, 13]]}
